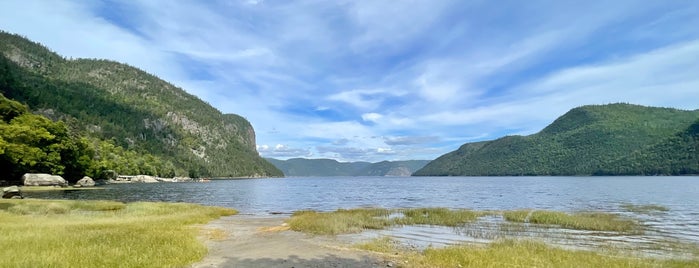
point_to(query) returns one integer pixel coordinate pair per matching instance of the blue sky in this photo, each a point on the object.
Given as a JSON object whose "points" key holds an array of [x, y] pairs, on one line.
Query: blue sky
{"points": [[387, 80]]}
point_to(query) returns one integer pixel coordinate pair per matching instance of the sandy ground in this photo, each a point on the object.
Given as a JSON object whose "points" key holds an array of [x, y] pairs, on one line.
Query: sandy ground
{"points": [[265, 241]]}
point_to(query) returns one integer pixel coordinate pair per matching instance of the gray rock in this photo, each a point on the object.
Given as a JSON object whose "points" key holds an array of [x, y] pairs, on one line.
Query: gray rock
{"points": [[41, 179], [144, 179], [11, 192], [85, 182], [182, 179]]}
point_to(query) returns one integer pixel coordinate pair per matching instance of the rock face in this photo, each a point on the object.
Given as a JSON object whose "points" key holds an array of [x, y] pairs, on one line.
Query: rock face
{"points": [[11, 192], [85, 182], [41, 179], [144, 179]]}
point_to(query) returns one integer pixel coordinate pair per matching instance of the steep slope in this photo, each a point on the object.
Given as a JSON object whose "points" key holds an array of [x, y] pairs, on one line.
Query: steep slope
{"points": [[133, 109], [585, 141], [676, 155], [330, 167]]}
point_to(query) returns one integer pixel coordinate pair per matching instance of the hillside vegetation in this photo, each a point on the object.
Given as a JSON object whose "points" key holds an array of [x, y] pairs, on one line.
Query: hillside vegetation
{"points": [[132, 122], [301, 167], [614, 139]]}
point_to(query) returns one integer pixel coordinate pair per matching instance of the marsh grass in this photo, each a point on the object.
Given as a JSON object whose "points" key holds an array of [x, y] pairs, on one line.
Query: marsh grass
{"points": [[437, 216], [382, 244], [646, 209], [593, 221], [527, 253], [356, 220], [339, 222], [60, 233]]}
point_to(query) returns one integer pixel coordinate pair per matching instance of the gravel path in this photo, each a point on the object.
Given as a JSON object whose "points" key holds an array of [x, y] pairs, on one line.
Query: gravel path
{"points": [[254, 241]]}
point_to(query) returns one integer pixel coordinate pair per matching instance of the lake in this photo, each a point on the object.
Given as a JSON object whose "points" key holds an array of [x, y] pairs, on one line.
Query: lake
{"points": [[285, 195]]}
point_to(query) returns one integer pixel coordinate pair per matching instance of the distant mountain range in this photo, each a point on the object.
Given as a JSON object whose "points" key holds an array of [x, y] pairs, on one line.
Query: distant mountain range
{"points": [[129, 121], [613, 139], [301, 167]]}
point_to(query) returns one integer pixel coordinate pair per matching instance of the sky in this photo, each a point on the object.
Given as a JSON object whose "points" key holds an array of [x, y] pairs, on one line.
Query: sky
{"points": [[373, 80]]}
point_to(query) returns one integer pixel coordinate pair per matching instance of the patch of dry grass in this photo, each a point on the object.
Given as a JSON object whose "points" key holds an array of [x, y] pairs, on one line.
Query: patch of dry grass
{"points": [[62, 233]]}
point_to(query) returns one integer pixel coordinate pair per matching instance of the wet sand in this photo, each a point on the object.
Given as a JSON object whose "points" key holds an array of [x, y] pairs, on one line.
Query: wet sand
{"points": [[265, 241]]}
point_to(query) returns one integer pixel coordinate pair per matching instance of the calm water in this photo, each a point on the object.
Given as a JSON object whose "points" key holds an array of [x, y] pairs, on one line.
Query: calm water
{"points": [[262, 196], [265, 196]]}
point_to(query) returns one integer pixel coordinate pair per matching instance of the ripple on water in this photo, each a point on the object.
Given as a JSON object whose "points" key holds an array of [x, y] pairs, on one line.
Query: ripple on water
{"points": [[651, 242]]}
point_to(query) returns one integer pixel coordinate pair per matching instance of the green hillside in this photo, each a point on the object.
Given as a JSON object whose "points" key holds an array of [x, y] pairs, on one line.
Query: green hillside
{"points": [[614, 139], [301, 167], [127, 113]]}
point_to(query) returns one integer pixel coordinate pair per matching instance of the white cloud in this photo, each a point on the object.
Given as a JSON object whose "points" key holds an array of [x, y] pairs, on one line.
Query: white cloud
{"points": [[282, 151], [312, 74], [371, 117]]}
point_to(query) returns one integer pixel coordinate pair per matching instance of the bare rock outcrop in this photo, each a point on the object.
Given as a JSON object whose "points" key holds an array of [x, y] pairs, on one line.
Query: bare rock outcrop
{"points": [[42, 179]]}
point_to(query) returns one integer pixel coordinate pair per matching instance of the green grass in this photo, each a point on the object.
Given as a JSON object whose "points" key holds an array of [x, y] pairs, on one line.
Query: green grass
{"points": [[437, 216], [59, 233], [593, 221], [644, 208], [339, 222], [356, 220], [527, 253]]}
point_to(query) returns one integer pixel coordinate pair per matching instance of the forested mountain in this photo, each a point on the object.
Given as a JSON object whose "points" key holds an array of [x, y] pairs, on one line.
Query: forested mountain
{"points": [[614, 139], [297, 167], [134, 122]]}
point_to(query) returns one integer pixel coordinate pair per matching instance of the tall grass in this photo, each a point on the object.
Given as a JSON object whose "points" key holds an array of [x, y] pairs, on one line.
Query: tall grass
{"points": [[340, 221], [594, 221], [57, 233], [527, 253], [356, 220]]}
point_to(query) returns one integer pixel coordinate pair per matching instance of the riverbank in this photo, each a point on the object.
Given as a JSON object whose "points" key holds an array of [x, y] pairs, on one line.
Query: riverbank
{"points": [[335, 239], [58, 233]]}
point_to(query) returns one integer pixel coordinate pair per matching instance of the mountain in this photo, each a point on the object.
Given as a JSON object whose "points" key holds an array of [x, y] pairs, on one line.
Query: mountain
{"points": [[297, 167], [301, 167], [126, 112], [613, 139]]}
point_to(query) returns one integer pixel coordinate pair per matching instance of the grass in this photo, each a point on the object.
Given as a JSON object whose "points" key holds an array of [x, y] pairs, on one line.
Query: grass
{"points": [[593, 221], [527, 253], [339, 222], [356, 220], [382, 244], [644, 208], [62, 233]]}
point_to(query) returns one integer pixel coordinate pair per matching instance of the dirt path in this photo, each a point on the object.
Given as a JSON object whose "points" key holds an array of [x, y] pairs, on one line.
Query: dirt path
{"points": [[254, 241]]}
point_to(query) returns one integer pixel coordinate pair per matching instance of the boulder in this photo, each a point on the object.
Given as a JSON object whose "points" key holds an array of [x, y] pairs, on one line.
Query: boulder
{"points": [[11, 192], [85, 182], [144, 179], [41, 179]]}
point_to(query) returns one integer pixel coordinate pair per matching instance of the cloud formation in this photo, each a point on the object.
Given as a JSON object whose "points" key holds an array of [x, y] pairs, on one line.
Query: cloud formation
{"points": [[337, 79]]}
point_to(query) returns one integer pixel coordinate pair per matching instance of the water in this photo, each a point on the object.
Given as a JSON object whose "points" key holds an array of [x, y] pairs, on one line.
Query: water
{"points": [[265, 196]]}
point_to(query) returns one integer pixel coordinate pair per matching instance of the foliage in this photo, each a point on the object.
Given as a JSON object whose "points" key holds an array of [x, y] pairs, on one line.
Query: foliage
{"points": [[115, 106], [615, 139], [33, 143], [58, 233]]}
